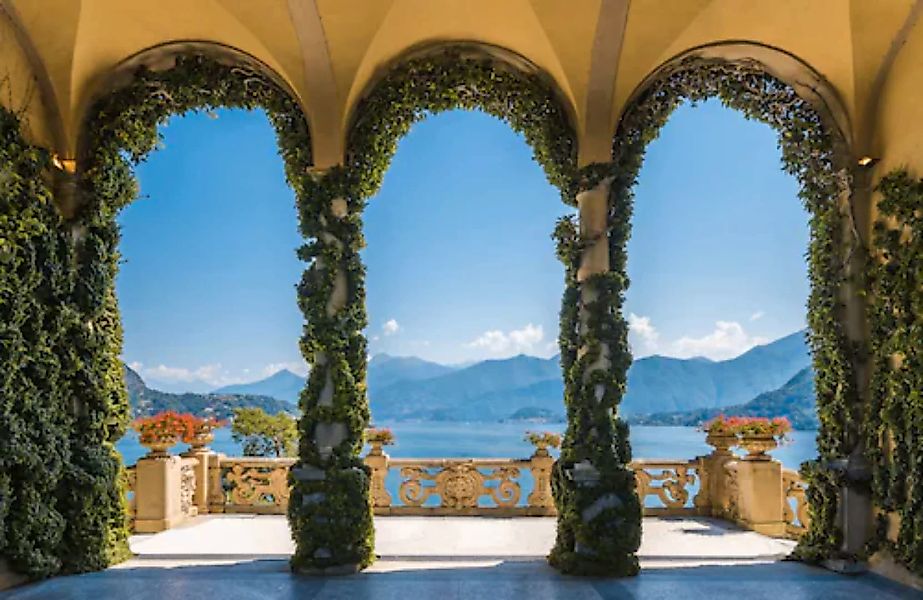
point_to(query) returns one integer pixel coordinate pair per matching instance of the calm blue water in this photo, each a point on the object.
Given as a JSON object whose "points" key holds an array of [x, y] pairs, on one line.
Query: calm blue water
{"points": [[504, 440]]}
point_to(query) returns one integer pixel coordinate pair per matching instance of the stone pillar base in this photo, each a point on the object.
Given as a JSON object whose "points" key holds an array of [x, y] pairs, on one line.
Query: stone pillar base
{"points": [[10, 578], [158, 491], [761, 497], [156, 525]]}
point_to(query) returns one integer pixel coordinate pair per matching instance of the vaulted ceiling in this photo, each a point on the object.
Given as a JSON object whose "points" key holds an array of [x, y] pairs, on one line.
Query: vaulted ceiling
{"points": [[596, 52]]}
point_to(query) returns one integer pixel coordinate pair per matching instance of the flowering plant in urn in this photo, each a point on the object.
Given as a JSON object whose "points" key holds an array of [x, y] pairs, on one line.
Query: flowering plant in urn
{"points": [[200, 430], [757, 435], [162, 431]]}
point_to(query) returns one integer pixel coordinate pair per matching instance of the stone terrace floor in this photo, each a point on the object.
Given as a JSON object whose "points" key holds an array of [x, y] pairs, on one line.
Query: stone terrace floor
{"points": [[244, 557]]}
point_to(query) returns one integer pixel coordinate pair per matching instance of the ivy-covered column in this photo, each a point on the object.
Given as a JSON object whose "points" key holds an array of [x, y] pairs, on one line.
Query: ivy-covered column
{"points": [[92, 491], [34, 422], [894, 421], [599, 514], [329, 509]]}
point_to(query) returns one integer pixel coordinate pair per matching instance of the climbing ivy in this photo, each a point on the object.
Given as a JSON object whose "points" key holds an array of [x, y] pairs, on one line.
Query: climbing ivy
{"points": [[811, 153], [121, 130], [894, 419], [34, 328], [332, 517], [329, 509], [599, 512]]}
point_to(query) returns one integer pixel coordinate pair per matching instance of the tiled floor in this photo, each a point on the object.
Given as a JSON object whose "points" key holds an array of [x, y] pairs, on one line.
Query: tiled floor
{"points": [[243, 558]]}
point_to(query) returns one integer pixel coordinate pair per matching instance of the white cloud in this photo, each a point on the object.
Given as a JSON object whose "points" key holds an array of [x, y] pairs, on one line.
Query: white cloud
{"points": [[299, 367], [390, 327], [516, 341], [757, 315], [212, 374], [729, 339], [642, 335]]}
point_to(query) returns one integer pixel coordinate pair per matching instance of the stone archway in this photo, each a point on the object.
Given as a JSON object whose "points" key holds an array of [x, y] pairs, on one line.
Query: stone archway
{"points": [[329, 510], [120, 128], [778, 89]]}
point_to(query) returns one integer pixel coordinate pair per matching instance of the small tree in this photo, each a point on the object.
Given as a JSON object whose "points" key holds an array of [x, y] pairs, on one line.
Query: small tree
{"points": [[263, 434]]}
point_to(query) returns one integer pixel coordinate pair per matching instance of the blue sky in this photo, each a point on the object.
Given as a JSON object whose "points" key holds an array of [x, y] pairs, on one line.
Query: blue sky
{"points": [[460, 263]]}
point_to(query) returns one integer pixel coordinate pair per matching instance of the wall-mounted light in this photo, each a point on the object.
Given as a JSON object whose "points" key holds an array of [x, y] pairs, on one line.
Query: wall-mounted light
{"points": [[68, 165], [867, 162]]}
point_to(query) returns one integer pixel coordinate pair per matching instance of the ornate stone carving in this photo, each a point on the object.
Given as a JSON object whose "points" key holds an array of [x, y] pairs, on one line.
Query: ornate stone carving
{"points": [[732, 491], [131, 485], [187, 488], [674, 478], [259, 484], [797, 519], [459, 485]]}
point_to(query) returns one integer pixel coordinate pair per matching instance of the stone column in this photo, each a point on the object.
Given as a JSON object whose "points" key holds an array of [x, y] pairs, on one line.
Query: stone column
{"points": [[599, 514], [329, 509]]}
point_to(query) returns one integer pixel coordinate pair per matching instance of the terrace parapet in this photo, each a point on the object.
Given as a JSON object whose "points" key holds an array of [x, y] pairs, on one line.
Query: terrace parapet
{"points": [[757, 494]]}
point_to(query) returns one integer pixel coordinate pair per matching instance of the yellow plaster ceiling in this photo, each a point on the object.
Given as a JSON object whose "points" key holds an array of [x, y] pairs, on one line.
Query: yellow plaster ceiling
{"points": [[328, 51]]}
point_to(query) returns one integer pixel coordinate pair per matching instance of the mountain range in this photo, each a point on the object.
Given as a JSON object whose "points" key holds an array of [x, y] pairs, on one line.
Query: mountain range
{"points": [[145, 401], [531, 387], [794, 400]]}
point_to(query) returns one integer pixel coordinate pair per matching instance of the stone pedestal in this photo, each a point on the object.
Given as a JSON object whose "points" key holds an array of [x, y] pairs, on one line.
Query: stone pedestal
{"points": [[541, 498], [158, 494], [760, 499], [377, 461], [715, 482]]}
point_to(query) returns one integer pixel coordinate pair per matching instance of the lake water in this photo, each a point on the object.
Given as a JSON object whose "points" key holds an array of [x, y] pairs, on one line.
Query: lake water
{"points": [[505, 440]]}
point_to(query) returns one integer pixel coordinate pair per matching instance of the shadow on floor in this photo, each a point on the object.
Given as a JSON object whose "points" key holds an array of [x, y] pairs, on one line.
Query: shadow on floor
{"points": [[445, 580]]}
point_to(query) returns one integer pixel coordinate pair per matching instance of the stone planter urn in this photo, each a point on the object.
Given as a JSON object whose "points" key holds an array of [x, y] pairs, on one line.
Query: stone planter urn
{"points": [[541, 448], [758, 445], [377, 439], [376, 448], [200, 441], [159, 447], [542, 441], [722, 442]]}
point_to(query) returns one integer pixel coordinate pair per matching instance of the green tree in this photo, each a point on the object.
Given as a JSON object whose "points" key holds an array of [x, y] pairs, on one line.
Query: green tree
{"points": [[263, 434]]}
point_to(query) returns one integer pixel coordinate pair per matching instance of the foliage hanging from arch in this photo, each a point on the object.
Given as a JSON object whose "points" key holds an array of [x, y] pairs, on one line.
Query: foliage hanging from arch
{"points": [[812, 153], [453, 79], [121, 129]]}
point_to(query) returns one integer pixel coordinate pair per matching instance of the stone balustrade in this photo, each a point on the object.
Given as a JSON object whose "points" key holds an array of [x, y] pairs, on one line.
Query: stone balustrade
{"points": [[754, 491], [249, 484]]}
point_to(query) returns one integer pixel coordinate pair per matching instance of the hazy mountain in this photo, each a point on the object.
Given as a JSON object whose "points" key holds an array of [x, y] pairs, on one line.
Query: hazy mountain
{"points": [[466, 393], [794, 400], [282, 385], [145, 401], [385, 370], [496, 389], [529, 387], [662, 384]]}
